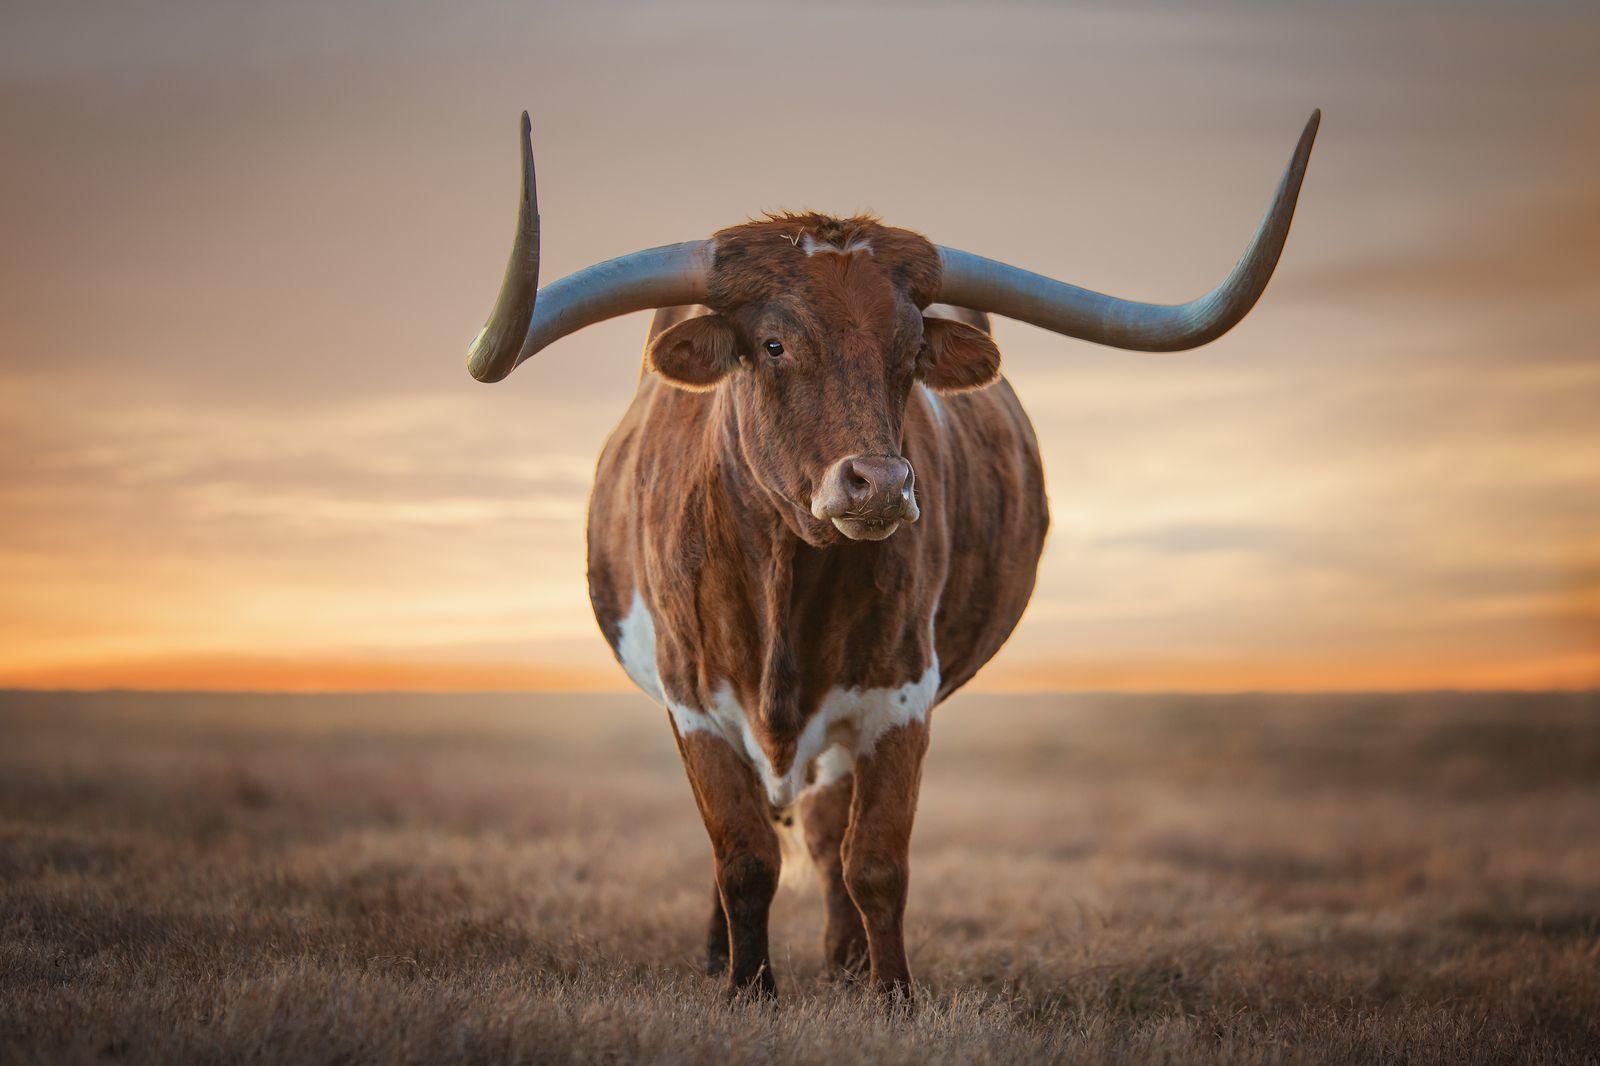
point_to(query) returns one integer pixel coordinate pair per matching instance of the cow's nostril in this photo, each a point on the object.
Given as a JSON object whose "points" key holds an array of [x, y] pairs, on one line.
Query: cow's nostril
{"points": [[867, 488]]}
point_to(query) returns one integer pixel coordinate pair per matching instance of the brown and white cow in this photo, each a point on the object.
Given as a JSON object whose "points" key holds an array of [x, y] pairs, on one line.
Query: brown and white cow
{"points": [[820, 516]]}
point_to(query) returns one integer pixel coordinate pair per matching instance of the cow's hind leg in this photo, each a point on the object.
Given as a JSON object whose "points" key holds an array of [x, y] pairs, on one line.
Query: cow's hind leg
{"points": [[877, 848], [825, 813], [716, 933], [746, 852]]}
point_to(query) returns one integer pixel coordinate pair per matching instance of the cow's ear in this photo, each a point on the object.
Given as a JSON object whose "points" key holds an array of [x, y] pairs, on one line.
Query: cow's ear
{"points": [[956, 357], [696, 353]]}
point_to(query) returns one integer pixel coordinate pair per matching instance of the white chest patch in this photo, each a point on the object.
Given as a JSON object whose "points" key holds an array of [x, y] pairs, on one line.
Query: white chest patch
{"points": [[846, 726]]}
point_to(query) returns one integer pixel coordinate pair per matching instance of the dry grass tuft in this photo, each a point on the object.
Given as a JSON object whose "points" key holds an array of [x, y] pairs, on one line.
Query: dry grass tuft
{"points": [[425, 879]]}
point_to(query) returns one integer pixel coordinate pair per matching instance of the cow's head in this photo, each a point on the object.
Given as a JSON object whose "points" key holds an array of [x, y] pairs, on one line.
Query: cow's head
{"points": [[817, 338], [817, 335]]}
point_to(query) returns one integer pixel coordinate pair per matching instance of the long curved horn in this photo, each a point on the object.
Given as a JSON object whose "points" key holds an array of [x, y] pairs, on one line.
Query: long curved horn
{"points": [[526, 319], [986, 285]]}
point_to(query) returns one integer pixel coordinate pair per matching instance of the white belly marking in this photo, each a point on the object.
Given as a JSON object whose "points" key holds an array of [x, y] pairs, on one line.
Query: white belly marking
{"points": [[636, 648], [846, 726]]}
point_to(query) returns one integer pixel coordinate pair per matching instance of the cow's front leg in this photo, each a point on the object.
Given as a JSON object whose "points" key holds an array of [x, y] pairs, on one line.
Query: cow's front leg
{"points": [[745, 847], [877, 847], [825, 814]]}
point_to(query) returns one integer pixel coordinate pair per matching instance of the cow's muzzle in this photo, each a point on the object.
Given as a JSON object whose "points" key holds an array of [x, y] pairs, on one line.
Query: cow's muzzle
{"points": [[866, 497]]}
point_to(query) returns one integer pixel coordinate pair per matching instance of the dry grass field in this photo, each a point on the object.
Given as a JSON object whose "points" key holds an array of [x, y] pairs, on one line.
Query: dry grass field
{"points": [[432, 879]]}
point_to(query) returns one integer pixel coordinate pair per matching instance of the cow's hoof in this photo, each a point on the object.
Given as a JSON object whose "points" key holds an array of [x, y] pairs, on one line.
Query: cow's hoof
{"points": [[846, 973], [847, 963], [760, 989], [898, 998]]}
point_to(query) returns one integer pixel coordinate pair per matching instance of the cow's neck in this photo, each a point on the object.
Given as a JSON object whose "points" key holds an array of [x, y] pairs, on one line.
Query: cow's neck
{"points": [[793, 593]]}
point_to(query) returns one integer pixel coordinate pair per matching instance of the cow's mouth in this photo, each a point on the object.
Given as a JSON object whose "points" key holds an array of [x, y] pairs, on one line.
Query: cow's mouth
{"points": [[867, 528]]}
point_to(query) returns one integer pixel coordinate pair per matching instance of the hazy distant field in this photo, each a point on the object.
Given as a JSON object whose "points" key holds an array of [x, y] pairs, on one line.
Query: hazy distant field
{"points": [[204, 878]]}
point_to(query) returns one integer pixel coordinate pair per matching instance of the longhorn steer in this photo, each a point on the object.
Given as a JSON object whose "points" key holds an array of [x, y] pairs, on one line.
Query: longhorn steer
{"points": [[820, 516]]}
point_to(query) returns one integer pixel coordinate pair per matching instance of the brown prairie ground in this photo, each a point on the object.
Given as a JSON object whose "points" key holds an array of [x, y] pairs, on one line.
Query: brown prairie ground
{"points": [[431, 879]]}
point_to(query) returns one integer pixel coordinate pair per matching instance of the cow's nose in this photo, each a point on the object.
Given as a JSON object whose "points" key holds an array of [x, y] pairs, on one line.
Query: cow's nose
{"points": [[867, 494], [876, 482]]}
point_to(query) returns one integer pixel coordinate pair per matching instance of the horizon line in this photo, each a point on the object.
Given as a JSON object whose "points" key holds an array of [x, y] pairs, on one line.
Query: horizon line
{"points": [[115, 690]]}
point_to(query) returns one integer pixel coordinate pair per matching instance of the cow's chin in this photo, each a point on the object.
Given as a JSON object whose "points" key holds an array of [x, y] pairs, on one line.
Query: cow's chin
{"points": [[829, 532], [866, 528]]}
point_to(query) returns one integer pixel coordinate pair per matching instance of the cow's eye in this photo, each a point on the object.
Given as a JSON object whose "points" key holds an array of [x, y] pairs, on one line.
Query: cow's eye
{"points": [[774, 348]]}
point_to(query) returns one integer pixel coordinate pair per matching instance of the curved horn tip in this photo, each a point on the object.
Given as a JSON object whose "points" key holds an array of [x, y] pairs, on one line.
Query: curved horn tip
{"points": [[1309, 134]]}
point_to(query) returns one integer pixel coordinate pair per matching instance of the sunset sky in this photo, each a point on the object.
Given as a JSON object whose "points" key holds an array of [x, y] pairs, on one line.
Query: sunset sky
{"points": [[243, 248]]}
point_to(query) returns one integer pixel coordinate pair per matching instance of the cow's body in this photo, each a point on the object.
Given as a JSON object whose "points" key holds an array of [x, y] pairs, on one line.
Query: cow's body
{"points": [[800, 556], [784, 650]]}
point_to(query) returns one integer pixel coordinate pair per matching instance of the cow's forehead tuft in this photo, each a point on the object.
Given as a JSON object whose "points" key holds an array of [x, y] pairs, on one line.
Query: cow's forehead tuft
{"points": [[781, 253]]}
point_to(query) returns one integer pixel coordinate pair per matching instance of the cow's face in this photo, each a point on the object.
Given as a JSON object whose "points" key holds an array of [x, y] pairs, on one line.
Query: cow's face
{"points": [[817, 339]]}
